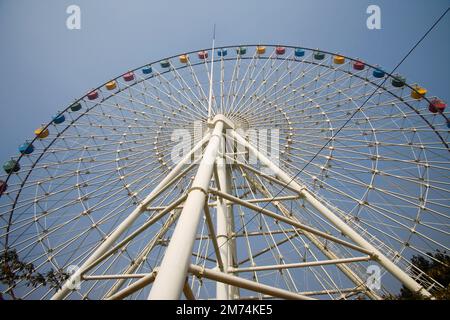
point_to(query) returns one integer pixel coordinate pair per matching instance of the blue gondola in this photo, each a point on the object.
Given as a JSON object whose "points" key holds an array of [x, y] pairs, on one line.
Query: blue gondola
{"points": [[147, 70], [299, 52], [222, 52], [378, 73], [59, 118], [26, 148]]}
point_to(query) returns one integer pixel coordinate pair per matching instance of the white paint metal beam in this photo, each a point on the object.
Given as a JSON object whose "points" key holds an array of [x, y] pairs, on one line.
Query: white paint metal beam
{"points": [[172, 272], [290, 221], [128, 221], [139, 284], [213, 237], [325, 249], [301, 264], [390, 266], [222, 290], [245, 284]]}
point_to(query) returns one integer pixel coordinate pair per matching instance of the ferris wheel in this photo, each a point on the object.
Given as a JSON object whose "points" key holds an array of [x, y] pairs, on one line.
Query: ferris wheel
{"points": [[151, 185]]}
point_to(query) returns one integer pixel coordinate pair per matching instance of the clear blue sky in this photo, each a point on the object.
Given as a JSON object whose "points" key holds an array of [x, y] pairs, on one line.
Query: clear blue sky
{"points": [[45, 66]]}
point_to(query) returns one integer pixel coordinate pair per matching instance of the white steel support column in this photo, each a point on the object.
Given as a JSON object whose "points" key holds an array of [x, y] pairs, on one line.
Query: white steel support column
{"points": [[233, 291], [173, 269], [222, 223], [391, 267], [222, 290], [128, 221]]}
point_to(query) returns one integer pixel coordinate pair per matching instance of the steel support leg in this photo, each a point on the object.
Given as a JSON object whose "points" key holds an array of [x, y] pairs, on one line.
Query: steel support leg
{"points": [[173, 269], [125, 224], [401, 275], [325, 250], [222, 290]]}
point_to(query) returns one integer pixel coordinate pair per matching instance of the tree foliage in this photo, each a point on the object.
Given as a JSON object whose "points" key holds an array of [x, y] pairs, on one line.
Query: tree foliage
{"points": [[438, 270], [13, 270]]}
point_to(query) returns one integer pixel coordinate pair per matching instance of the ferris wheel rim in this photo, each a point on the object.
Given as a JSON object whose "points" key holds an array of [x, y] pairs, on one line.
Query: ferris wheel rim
{"points": [[388, 75], [155, 62]]}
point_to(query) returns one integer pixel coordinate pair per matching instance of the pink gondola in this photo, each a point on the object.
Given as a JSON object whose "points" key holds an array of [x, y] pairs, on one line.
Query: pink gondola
{"points": [[203, 54], [128, 76]]}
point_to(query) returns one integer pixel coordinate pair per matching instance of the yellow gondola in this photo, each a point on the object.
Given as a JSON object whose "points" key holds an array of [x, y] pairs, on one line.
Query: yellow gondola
{"points": [[418, 92], [260, 49], [41, 133], [184, 58], [339, 59], [111, 85]]}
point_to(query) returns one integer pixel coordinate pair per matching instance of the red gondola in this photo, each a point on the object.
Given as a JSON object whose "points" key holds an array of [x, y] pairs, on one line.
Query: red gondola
{"points": [[93, 95], [3, 186], [280, 50], [358, 65], [437, 105], [203, 54]]}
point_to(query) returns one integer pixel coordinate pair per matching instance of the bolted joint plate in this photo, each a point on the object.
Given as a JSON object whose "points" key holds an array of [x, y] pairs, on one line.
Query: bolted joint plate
{"points": [[227, 123]]}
